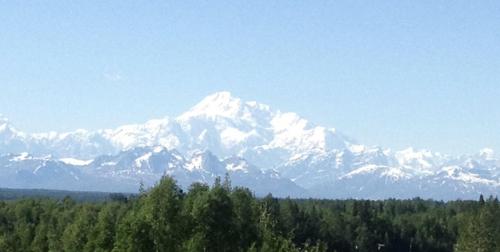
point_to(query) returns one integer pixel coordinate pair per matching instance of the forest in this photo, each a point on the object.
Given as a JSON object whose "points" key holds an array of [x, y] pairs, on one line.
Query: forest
{"points": [[79, 196], [225, 218]]}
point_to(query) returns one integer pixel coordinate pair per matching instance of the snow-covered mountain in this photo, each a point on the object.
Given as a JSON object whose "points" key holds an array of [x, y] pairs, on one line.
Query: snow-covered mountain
{"points": [[223, 124], [127, 170], [262, 148]]}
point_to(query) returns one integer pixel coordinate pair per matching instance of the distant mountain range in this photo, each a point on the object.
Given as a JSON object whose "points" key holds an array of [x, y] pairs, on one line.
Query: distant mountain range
{"points": [[259, 147]]}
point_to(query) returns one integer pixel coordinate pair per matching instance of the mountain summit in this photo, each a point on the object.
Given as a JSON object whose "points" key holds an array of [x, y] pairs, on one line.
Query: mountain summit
{"points": [[233, 132], [221, 104]]}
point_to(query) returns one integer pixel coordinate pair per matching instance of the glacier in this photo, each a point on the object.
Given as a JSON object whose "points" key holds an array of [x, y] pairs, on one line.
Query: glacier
{"points": [[259, 147]]}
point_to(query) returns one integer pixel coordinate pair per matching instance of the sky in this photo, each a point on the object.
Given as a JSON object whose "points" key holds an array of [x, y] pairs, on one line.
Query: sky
{"points": [[388, 73]]}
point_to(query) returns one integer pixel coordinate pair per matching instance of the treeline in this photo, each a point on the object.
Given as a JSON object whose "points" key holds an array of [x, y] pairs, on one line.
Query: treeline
{"points": [[221, 218], [14, 194]]}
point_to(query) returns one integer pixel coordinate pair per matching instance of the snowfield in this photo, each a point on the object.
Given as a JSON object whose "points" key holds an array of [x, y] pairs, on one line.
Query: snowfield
{"points": [[265, 149]]}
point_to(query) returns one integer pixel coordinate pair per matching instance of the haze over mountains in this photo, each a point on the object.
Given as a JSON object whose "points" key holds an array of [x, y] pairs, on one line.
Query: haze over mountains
{"points": [[259, 147]]}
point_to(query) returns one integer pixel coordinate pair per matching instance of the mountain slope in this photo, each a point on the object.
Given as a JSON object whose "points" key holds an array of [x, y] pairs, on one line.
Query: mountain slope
{"points": [[268, 143], [127, 170]]}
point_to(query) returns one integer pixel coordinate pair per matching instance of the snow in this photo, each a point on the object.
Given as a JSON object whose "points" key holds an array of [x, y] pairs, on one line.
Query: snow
{"points": [[297, 135], [233, 136], [143, 158], [357, 148], [237, 167], [395, 173], [267, 138], [457, 173], [195, 164], [159, 149], [4, 121], [22, 156], [487, 154], [219, 121], [284, 122], [221, 104], [411, 158], [367, 169], [76, 162]]}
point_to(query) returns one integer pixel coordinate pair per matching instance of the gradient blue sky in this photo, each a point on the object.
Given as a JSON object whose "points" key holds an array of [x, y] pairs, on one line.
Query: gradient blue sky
{"points": [[389, 73]]}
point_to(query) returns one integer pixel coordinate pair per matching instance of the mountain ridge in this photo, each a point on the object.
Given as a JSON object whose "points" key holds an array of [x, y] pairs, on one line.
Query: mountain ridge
{"points": [[315, 158]]}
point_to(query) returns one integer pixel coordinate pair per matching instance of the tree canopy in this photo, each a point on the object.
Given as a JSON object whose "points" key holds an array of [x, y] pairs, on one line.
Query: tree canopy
{"points": [[223, 218]]}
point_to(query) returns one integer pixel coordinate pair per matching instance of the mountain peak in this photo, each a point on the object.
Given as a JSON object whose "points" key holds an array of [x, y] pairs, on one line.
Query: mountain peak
{"points": [[487, 153], [3, 119], [5, 124], [225, 105], [222, 95], [220, 104]]}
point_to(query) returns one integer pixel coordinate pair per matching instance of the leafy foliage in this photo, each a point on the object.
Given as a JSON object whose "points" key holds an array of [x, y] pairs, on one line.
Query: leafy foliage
{"points": [[222, 218]]}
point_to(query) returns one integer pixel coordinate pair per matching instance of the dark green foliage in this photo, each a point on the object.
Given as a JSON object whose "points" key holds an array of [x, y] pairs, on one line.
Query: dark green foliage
{"points": [[14, 194], [222, 218], [480, 231], [214, 221]]}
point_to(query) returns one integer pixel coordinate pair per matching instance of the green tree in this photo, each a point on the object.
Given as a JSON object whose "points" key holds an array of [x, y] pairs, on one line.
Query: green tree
{"points": [[133, 234], [246, 215], [76, 235], [214, 225], [162, 211], [480, 230], [103, 235]]}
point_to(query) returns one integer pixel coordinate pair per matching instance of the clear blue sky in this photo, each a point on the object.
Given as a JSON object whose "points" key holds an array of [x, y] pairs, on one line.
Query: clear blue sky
{"points": [[390, 73]]}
